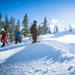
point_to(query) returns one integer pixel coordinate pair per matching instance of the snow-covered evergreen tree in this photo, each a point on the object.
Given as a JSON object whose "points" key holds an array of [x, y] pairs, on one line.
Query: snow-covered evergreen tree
{"points": [[0, 17], [45, 25], [25, 29], [0, 22], [12, 28], [44, 28], [18, 25], [2, 25], [6, 24], [56, 29], [70, 28], [12, 24]]}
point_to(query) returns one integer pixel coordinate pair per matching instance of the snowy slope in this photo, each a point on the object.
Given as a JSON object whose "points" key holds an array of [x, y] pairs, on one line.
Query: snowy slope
{"points": [[52, 55]]}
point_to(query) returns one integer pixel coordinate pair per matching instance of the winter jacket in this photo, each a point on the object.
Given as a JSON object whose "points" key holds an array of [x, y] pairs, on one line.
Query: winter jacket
{"points": [[17, 35], [33, 30], [4, 38]]}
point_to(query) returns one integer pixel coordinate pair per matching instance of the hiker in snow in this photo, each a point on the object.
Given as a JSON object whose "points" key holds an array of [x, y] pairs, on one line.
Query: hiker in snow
{"points": [[33, 31], [4, 38], [18, 37]]}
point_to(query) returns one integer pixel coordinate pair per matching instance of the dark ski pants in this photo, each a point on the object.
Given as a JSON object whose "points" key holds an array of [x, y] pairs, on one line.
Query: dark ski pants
{"points": [[3, 44], [34, 37], [17, 40]]}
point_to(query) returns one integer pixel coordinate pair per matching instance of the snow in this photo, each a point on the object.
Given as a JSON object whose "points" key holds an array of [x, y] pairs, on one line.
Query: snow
{"points": [[52, 55], [6, 54]]}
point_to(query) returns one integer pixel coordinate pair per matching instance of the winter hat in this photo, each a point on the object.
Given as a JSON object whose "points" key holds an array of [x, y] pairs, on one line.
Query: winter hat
{"points": [[35, 21]]}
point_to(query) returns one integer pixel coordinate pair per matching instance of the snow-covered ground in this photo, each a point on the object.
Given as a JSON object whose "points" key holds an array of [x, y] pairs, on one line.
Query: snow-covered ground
{"points": [[52, 55]]}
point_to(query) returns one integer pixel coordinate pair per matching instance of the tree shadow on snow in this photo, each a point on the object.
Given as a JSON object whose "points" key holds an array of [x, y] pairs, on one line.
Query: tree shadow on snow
{"points": [[13, 46], [35, 51]]}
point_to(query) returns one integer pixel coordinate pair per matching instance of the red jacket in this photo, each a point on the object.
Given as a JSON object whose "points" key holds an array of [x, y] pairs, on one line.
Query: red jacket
{"points": [[4, 37]]}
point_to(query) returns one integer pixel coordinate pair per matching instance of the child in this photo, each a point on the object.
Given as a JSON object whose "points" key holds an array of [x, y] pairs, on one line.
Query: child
{"points": [[18, 37], [3, 39]]}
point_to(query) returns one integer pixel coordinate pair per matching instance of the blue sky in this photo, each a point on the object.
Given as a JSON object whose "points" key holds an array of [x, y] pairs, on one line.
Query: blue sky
{"points": [[62, 11]]}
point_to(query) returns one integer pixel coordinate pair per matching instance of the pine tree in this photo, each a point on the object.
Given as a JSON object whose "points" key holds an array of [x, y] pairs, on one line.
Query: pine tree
{"points": [[12, 24], [25, 29], [45, 22], [0, 22], [56, 29], [18, 25], [11, 29], [2, 25], [49, 31], [70, 28], [45, 28], [0, 17], [6, 24], [39, 29]]}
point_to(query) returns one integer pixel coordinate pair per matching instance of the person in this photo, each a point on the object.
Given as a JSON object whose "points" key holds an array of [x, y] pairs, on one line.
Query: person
{"points": [[18, 37], [33, 31], [4, 38]]}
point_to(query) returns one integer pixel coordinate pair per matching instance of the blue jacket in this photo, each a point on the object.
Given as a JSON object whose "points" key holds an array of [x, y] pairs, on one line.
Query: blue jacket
{"points": [[17, 35]]}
